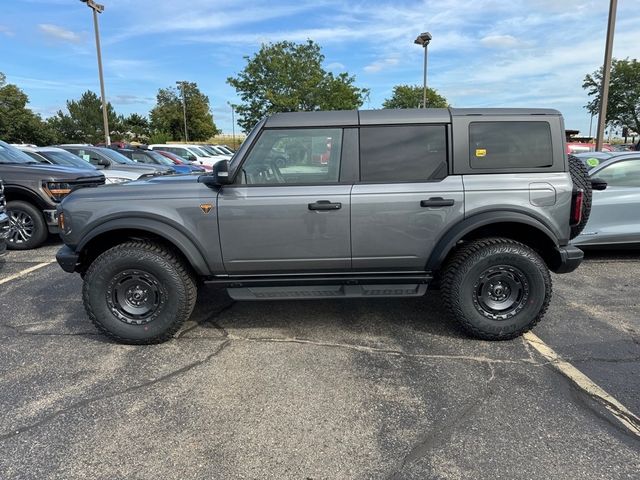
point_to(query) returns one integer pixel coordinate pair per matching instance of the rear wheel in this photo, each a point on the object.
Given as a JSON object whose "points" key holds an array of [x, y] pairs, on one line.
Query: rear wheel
{"points": [[496, 288], [580, 177], [27, 228], [139, 292]]}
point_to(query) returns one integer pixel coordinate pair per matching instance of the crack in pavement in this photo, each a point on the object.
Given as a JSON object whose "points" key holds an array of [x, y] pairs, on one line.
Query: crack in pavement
{"points": [[440, 434], [383, 351], [209, 319], [90, 400]]}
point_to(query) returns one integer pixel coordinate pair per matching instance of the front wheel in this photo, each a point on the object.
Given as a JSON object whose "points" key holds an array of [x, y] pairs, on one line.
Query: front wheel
{"points": [[139, 292], [27, 228], [496, 288]]}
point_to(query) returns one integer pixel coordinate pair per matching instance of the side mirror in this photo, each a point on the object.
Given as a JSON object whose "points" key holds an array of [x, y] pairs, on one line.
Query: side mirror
{"points": [[598, 184], [104, 162], [219, 175]]}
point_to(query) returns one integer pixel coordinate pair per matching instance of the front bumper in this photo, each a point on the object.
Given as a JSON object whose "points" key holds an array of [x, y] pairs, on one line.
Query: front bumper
{"points": [[570, 257], [51, 217], [67, 259]]}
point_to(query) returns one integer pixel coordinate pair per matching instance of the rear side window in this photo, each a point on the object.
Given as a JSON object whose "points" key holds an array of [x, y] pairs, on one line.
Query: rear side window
{"points": [[496, 145], [403, 153]]}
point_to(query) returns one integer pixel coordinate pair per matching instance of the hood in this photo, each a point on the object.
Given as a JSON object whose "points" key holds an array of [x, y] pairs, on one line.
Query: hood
{"points": [[54, 172], [152, 189]]}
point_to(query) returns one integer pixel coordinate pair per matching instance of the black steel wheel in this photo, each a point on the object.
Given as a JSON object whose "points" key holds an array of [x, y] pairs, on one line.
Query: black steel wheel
{"points": [[139, 292], [27, 228], [136, 297], [496, 288]]}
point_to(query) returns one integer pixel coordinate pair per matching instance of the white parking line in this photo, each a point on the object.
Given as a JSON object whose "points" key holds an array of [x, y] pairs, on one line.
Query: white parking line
{"points": [[622, 414], [26, 271]]}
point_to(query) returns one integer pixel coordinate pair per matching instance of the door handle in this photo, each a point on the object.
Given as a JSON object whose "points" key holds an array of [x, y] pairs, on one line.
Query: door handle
{"points": [[325, 205], [437, 202]]}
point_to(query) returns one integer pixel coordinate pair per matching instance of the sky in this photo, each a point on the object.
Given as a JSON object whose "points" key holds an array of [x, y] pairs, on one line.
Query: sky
{"points": [[484, 53]]}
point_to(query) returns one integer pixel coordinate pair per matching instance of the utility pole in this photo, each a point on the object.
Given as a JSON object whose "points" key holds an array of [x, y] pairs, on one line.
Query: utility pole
{"points": [[184, 109], [606, 74], [97, 8]]}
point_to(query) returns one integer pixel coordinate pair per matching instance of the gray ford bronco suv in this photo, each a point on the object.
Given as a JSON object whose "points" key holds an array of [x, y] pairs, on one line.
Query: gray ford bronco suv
{"points": [[480, 203]]}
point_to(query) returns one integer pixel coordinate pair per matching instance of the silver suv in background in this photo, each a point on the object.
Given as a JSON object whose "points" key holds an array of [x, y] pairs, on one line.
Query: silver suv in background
{"points": [[481, 203]]}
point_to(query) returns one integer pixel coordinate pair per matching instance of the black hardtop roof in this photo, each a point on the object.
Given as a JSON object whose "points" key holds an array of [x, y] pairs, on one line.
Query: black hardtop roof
{"points": [[345, 118]]}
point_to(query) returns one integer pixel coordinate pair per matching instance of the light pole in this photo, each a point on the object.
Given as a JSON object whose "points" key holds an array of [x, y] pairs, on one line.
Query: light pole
{"points": [[606, 74], [233, 124], [97, 8], [423, 40], [184, 109]]}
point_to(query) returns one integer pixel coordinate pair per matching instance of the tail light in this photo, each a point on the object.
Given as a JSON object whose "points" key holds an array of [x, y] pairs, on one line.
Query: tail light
{"points": [[576, 207]]}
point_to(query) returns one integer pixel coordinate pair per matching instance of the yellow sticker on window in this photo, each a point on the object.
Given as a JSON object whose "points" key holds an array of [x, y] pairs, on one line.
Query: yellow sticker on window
{"points": [[481, 152]]}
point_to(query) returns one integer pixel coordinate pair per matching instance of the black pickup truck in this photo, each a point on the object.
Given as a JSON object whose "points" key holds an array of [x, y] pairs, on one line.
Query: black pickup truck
{"points": [[32, 192]]}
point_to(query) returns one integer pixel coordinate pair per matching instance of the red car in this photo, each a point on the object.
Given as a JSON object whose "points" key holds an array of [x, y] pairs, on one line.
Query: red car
{"points": [[578, 147], [179, 160]]}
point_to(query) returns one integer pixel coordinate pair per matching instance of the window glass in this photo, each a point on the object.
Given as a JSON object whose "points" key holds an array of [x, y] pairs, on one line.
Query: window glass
{"points": [[403, 153], [294, 156], [510, 145], [621, 174], [141, 157]]}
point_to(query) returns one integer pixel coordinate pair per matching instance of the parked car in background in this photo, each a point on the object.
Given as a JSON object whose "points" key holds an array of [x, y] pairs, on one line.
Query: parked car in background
{"points": [[103, 157], [4, 221], [152, 157], [215, 150], [578, 147], [181, 161], [615, 212], [59, 156], [32, 191], [191, 153], [227, 149]]}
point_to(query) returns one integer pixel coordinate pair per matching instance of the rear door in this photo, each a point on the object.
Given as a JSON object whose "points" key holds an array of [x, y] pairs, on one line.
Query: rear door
{"points": [[288, 211], [405, 198]]}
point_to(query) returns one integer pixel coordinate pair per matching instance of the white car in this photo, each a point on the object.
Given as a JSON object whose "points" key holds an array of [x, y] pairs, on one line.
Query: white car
{"points": [[59, 156], [191, 153]]}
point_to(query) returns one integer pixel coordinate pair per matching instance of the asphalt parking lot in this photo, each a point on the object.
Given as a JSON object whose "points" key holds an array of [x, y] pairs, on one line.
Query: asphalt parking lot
{"points": [[385, 388]]}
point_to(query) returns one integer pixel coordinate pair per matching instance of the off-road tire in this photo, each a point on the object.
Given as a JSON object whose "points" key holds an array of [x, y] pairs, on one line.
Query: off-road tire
{"points": [[581, 180], [462, 275], [175, 286], [38, 226]]}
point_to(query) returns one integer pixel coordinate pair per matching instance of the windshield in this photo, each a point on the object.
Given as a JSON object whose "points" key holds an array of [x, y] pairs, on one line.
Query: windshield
{"points": [[161, 159], [115, 156], [199, 152], [9, 154], [233, 164], [62, 157]]}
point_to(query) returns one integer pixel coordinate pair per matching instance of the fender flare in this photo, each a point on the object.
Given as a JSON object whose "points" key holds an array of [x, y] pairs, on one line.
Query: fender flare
{"points": [[466, 226], [171, 234], [25, 192]]}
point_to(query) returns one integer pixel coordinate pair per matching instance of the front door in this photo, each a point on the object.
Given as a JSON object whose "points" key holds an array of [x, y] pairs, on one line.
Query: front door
{"points": [[287, 211]]}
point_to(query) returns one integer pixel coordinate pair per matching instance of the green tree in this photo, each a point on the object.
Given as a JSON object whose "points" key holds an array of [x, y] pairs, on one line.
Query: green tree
{"points": [[288, 77], [83, 123], [167, 116], [18, 124], [136, 127], [623, 108], [411, 96]]}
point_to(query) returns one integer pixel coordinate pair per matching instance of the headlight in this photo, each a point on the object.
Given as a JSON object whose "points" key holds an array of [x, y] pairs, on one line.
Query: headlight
{"points": [[56, 190], [108, 180]]}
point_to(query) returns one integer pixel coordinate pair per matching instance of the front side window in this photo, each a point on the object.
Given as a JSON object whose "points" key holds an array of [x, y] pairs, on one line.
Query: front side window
{"points": [[403, 153], [497, 145], [141, 158], [621, 174], [294, 156]]}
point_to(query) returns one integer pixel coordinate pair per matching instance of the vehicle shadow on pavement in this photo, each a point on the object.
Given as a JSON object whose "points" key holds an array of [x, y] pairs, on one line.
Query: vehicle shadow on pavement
{"points": [[367, 318]]}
